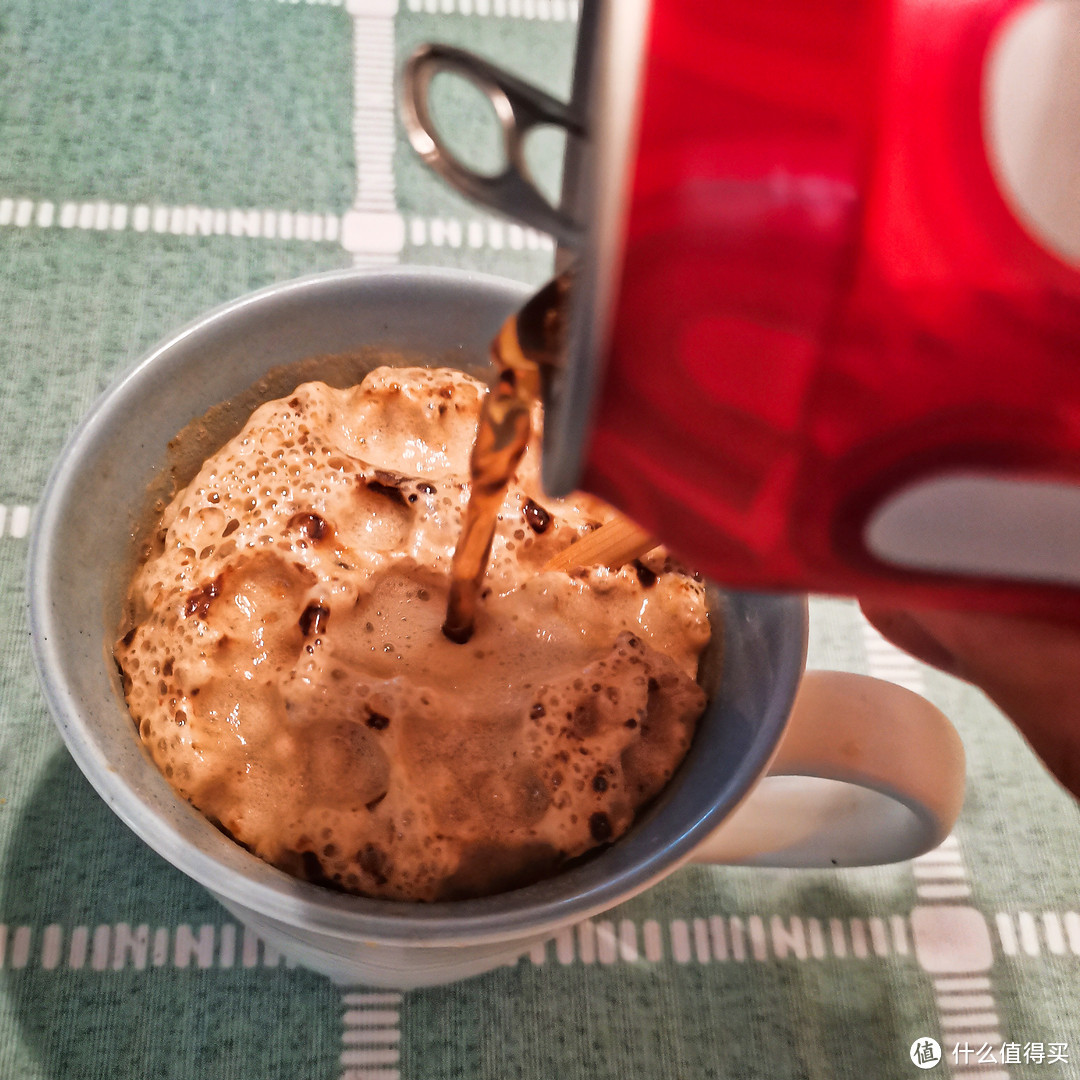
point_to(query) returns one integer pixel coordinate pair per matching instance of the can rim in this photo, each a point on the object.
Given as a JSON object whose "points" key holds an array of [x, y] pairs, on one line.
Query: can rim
{"points": [[598, 177]]}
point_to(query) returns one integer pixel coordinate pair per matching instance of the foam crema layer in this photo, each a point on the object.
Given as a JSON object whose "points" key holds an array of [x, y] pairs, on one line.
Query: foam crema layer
{"points": [[284, 663]]}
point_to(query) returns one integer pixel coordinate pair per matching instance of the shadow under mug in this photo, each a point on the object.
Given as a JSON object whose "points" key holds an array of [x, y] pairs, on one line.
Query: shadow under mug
{"points": [[882, 771]]}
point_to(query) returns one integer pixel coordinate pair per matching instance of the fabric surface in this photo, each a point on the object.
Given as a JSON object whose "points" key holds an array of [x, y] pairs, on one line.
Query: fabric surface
{"points": [[157, 159]]}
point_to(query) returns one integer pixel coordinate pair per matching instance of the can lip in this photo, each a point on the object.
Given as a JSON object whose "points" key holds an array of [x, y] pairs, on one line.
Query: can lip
{"points": [[599, 175]]}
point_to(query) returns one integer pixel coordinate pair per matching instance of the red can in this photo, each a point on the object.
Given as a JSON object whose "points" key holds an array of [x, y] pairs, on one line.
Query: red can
{"points": [[814, 344]]}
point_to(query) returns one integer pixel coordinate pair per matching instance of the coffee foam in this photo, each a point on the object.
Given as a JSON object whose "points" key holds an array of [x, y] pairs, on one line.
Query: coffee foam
{"points": [[286, 668]]}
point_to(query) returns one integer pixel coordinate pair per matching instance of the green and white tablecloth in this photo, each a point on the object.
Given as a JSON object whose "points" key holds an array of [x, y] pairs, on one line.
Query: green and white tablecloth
{"points": [[158, 158]]}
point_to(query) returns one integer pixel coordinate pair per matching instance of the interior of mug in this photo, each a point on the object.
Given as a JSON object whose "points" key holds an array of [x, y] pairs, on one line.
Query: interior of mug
{"points": [[81, 558]]}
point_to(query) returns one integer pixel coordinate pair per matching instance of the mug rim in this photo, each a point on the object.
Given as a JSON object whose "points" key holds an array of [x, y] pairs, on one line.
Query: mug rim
{"points": [[277, 895]]}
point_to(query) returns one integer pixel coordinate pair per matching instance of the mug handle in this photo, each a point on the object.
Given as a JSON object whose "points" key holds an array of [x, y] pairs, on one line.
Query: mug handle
{"points": [[866, 773], [519, 107]]}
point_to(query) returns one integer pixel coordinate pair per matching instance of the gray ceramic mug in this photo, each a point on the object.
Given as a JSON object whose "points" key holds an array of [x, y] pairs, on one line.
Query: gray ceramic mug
{"points": [[874, 773]]}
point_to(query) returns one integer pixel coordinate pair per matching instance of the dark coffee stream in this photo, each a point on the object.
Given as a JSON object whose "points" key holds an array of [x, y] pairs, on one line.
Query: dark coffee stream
{"points": [[526, 347]]}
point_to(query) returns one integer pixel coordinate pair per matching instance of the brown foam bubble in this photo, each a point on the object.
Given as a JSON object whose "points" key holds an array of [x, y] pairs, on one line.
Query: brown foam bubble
{"points": [[286, 662]]}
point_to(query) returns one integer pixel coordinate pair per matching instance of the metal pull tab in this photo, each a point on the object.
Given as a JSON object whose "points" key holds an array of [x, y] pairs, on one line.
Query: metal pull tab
{"points": [[519, 106]]}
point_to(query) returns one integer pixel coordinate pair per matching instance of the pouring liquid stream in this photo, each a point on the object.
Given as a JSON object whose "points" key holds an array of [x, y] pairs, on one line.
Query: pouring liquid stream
{"points": [[526, 346]]}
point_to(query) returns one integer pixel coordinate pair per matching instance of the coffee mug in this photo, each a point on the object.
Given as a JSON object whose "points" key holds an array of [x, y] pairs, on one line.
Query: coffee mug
{"points": [[813, 342], [840, 771]]}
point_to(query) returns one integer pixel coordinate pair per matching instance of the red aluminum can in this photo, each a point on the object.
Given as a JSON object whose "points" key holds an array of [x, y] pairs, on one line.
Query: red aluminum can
{"points": [[813, 344]]}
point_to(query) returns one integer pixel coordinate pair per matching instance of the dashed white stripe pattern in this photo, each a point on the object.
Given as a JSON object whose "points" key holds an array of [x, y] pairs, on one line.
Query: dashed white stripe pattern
{"points": [[969, 1020], [717, 938], [945, 862], [14, 521], [956, 938], [940, 874], [188, 220], [373, 111], [733, 938], [886, 661], [373, 231], [1025, 934], [479, 233], [960, 952], [540, 10], [371, 1035], [117, 946]]}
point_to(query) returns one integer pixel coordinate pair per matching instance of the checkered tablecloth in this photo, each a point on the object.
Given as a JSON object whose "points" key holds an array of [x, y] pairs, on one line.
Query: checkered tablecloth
{"points": [[158, 158]]}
